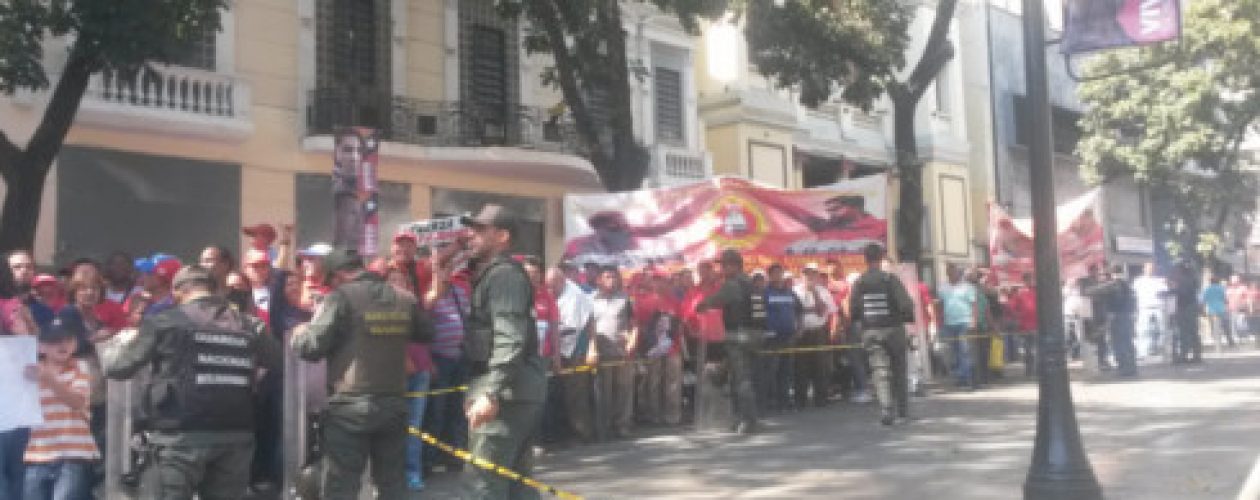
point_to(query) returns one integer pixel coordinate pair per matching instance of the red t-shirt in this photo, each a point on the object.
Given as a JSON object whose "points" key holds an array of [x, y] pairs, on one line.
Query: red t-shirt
{"points": [[840, 294], [548, 316], [708, 324], [1024, 305], [926, 300], [111, 315]]}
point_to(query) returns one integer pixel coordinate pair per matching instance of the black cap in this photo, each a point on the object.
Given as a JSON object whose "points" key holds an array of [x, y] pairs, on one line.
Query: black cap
{"points": [[192, 275], [731, 256], [62, 329], [342, 259], [491, 215]]}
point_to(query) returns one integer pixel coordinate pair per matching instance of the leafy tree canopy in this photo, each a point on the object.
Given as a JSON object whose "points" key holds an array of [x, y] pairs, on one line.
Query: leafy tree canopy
{"points": [[1174, 116], [101, 34]]}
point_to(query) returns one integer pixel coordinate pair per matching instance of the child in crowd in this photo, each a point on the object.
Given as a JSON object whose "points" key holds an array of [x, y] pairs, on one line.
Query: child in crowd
{"points": [[61, 452]]}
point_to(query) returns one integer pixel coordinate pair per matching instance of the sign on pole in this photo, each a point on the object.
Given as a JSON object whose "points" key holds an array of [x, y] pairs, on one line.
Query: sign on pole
{"points": [[1090, 25]]}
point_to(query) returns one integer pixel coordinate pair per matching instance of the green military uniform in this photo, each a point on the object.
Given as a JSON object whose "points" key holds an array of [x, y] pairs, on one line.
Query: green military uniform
{"points": [[881, 306], [199, 449], [501, 344], [741, 345], [362, 329]]}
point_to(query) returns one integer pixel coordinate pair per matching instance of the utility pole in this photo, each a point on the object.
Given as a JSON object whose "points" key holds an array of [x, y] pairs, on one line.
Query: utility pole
{"points": [[1060, 469]]}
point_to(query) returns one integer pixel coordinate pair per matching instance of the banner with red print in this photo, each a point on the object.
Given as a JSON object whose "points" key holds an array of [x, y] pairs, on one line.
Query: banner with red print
{"points": [[1081, 240], [682, 225]]}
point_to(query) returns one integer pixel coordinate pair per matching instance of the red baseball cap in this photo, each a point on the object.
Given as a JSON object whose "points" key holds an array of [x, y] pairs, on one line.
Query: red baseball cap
{"points": [[45, 279], [166, 269], [405, 235], [261, 230]]}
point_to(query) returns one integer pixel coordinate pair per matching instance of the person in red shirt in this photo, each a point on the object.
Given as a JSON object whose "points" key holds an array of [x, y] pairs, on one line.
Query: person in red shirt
{"points": [[707, 325], [547, 315], [656, 313], [1023, 304]]}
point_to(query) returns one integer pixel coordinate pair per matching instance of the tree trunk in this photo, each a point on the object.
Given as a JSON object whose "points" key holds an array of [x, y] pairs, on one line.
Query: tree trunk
{"points": [[905, 97], [24, 172], [910, 172], [629, 163]]}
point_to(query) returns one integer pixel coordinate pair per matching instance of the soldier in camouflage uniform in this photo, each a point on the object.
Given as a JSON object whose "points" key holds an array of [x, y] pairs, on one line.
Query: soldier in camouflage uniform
{"points": [[362, 328], [509, 383]]}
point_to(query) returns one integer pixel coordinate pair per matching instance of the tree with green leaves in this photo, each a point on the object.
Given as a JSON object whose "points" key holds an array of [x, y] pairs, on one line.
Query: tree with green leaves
{"points": [[854, 49], [1174, 117], [812, 46], [587, 44], [118, 35]]}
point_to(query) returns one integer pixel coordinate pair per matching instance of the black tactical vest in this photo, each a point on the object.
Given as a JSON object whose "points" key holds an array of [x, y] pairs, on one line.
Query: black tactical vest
{"points": [[373, 359], [203, 376], [884, 301]]}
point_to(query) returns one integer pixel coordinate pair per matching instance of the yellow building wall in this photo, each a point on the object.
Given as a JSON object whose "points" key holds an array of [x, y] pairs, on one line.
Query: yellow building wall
{"points": [[730, 147], [267, 33]]}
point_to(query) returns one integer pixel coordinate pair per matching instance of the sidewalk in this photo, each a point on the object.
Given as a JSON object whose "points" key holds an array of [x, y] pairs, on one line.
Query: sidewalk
{"points": [[1187, 432]]}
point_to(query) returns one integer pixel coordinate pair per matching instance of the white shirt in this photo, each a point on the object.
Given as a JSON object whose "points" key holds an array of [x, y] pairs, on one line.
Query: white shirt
{"points": [[1148, 290], [811, 319]]}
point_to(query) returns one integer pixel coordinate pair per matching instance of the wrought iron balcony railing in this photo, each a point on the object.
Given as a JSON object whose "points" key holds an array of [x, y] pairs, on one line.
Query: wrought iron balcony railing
{"points": [[442, 123]]}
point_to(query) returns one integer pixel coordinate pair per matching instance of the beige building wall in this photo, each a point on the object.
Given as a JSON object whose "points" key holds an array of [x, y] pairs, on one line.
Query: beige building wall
{"points": [[265, 56]]}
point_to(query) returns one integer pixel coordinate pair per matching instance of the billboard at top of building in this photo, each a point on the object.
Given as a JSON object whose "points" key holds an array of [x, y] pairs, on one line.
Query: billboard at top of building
{"points": [[1091, 25], [677, 226], [1081, 240], [356, 221]]}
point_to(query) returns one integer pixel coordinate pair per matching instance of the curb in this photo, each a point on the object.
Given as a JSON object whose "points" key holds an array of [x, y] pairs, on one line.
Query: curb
{"points": [[1251, 487]]}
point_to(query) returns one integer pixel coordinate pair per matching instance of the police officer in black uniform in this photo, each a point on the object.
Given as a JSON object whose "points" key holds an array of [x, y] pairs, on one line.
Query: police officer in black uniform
{"points": [[880, 307], [198, 407], [362, 328]]}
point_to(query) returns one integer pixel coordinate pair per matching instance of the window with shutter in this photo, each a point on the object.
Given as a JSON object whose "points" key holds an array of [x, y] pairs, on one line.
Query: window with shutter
{"points": [[488, 71], [352, 63], [669, 107], [487, 83]]}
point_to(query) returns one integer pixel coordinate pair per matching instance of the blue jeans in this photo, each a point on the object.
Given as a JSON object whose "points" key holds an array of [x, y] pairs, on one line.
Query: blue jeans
{"points": [[417, 382], [446, 419], [60, 480], [1122, 343], [961, 366], [12, 448]]}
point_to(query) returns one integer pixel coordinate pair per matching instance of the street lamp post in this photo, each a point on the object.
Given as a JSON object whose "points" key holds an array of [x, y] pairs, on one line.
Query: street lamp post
{"points": [[1060, 470]]}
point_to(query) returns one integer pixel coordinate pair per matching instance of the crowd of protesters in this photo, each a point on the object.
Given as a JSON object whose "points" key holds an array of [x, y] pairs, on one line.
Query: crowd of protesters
{"points": [[642, 328]]}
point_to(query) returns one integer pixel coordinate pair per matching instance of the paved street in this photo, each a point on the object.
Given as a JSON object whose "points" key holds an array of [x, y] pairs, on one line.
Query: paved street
{"points": [[1176, 433]]}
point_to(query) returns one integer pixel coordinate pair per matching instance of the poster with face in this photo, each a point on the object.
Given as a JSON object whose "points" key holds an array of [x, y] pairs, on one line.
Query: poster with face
{"points": [[1081, 240], [687, 224], [356, 221]]}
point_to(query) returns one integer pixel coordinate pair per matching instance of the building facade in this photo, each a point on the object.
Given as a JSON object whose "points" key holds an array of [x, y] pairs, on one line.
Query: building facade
{"points": [[240, 129], [1125, 206], [757, 131]]}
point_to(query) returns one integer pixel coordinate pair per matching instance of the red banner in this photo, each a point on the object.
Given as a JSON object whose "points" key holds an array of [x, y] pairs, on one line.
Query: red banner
{"points": [[687, 224], [1103, 24], [1081, 240]]}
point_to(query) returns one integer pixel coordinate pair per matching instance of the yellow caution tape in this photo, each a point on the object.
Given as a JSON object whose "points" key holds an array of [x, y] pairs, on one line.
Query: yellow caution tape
{"points": [[437, 392], [481, 463], [787, 350]]}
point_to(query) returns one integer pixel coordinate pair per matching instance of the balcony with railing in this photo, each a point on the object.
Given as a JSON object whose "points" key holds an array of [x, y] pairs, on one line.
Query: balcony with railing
{"points": [[167, 98], [443, 123]]}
